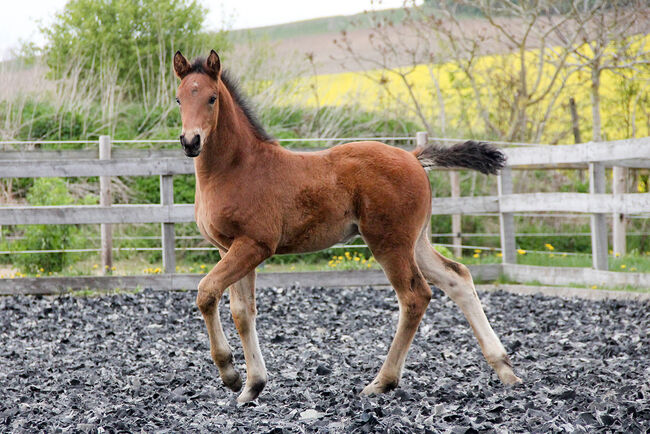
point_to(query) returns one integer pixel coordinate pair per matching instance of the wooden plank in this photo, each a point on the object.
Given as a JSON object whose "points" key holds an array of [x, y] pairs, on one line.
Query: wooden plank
{"points": [[629, 149], [630, 203], [95, 214], [105, 199], [464, 205], [572, 275], [114, 167], [168, 236], [619, 223], [564, 292], [506, 219], [57, 285], [597, 182]]}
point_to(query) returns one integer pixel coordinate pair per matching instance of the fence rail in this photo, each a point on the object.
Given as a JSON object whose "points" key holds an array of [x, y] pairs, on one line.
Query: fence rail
{"points": [[167, 163]]}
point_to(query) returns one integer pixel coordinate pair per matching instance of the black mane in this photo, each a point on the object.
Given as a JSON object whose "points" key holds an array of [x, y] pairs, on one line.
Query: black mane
{"points": [[232, 85]]}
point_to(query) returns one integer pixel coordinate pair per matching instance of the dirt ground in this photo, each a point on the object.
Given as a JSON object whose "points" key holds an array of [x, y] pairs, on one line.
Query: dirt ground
{"points": [[140, 362]]}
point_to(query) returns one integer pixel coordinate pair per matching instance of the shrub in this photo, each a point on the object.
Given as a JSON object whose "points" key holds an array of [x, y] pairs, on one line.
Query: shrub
{"points": [[47, 191]]}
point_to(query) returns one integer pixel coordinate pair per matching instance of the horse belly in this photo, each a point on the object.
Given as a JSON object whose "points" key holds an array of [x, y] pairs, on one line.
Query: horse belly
{"points": [[312, 237]]}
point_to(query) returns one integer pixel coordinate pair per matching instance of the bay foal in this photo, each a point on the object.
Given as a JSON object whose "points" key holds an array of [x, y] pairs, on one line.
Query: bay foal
{"points": [[255, 198]]}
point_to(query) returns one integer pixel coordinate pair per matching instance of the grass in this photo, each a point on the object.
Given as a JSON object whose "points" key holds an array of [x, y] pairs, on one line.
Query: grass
{"points": [[342, 260]]}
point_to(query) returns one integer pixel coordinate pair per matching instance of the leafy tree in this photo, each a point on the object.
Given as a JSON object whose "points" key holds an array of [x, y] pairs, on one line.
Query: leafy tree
{"points": [[134, 39]]}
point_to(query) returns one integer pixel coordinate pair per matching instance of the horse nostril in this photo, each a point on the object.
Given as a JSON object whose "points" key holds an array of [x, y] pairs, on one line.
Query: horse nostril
{"points": [[196, 141], [182, 137]]}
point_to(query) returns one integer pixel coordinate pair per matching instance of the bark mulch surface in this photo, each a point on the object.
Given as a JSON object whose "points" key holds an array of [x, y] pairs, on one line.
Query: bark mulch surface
{"points": [[140, 362]]}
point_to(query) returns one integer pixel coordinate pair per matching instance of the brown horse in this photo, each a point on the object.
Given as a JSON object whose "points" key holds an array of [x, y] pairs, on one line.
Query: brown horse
{"points": [[255, 198]]}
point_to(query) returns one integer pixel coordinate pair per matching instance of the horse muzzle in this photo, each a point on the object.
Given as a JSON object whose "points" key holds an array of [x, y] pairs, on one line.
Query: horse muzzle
{"points": [[191, 148]]}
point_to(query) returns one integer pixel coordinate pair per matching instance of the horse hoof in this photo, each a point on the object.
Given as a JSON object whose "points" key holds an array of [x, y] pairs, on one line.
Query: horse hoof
{"points": [[375, 388], [510, 379], [232, 381], [252, 391]]}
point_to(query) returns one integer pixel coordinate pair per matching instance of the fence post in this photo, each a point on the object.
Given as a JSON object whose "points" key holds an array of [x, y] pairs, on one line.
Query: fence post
{"points": [[168, 237], [105, 199], [421, 138], [456, 222], [598, 220], [619, 186], [506, 219]]}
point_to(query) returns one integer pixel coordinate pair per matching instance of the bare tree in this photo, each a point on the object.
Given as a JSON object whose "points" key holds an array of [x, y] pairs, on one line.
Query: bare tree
{"points": [[505, 92], [613, 37]]}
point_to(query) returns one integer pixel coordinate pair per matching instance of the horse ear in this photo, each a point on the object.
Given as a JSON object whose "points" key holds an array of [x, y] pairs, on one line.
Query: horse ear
{"points": [[213, 64], [181, 65]]}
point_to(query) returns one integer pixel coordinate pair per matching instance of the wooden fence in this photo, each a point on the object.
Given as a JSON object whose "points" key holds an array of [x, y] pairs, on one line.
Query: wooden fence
{"points": [[596, 157]]}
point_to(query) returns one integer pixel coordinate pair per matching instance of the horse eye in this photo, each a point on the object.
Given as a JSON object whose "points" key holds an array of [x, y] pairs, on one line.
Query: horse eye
{"points": [[178, 101], [213, 98]]}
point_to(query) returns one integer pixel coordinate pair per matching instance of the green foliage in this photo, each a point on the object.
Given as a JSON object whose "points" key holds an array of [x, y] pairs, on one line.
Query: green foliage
{"points": [[47, 191], [125, 36]]}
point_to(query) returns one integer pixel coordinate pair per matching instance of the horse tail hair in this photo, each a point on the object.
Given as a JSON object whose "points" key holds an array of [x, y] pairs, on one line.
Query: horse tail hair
{"points": [[473, 155]]}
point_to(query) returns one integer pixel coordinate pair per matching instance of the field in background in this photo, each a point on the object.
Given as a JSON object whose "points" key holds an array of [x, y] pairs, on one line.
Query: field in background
{"points": [[364, 89], [273, 71]]}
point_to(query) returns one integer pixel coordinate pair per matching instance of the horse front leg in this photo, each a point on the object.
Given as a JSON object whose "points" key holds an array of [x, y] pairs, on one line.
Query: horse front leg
{"points": [[241, 259], [244, 311]]}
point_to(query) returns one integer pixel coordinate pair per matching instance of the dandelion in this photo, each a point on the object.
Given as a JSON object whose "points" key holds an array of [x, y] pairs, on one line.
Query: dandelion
{"points": [[477, 250], [357, 259], [202, 266], [623, 266], [633, 269], [369, 265], [594, 287], [293, 267], [549, 246], [113, 268], [107, 267], [49, 274], [521, 251], [564, 255], [41, 269], [499, 255], [617, 254], [2, 276], [95, 266], [476, 255]]}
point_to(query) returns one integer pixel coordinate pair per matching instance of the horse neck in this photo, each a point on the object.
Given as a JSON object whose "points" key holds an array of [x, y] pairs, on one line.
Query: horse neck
{"points": [[228, 144]]}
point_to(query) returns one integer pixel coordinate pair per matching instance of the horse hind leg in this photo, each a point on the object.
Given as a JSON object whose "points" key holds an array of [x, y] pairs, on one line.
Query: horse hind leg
{"points": [[456, 281], [413, 294]]}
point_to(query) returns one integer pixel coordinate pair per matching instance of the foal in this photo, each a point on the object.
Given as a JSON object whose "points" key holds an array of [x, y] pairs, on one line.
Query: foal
{"points": [[255, 198]]}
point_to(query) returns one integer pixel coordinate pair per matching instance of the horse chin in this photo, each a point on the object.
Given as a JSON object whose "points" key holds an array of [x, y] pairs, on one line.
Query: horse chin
{"points": [[192, 153]]}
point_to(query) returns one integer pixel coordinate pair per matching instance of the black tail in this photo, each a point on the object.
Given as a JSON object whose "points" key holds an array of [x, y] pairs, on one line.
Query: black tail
{"points": [[479, 156]]}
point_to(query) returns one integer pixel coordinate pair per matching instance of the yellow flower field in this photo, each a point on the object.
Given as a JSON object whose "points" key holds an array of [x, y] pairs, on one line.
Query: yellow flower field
{"points": [[462, 109]]}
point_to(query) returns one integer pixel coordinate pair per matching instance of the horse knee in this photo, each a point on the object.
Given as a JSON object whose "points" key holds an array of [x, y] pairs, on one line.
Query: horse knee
{"points": [[205, 302], [417, 302]]}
